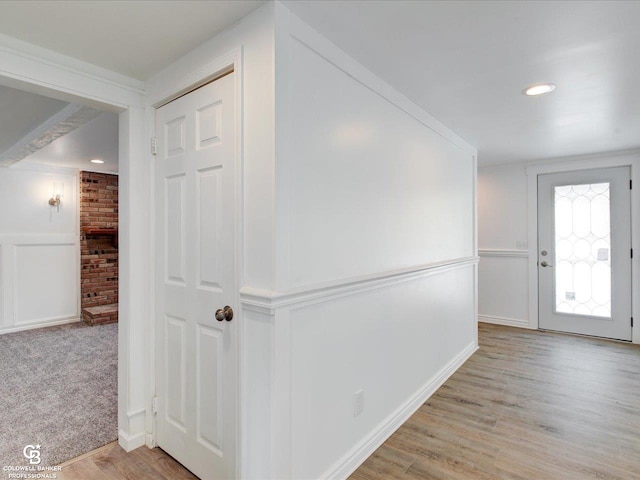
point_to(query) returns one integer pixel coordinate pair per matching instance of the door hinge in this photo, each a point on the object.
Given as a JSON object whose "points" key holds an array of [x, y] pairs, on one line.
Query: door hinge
{"points": [[154, 146], [631, 322], [630, 184], [632, 253], [154, 405]]}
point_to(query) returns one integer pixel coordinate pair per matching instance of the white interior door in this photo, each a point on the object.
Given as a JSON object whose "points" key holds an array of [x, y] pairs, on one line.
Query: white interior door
{"points": [[195, 276], [584, 252]]}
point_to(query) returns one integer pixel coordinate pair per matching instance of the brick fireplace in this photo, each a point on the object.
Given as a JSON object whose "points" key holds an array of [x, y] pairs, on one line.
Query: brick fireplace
{"points": [[99, 247]]}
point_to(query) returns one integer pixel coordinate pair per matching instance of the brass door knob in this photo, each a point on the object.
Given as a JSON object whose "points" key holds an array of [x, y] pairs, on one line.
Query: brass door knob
{"points": [[225, 313]]}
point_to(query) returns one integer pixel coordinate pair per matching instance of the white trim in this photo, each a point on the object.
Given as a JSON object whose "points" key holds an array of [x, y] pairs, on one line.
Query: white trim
{"points": [[532, 241], [197, 78], [150, 441], [350, 462], [476, 268], [511, 322], [90, 170], [236, 59], [40, 324], [267, 301], [503, 253], [135, 413], [150, 341], [70, 64], [547, 161], [160, 94], [39, 239], [303, 33], [586, 162], [44, 69], [46, 320], [130, 442], [44, 168], [135, 422]]}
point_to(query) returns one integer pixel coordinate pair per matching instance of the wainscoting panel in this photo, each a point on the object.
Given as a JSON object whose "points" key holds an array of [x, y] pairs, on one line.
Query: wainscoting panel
{"points": [[39, 247], [502, 287], [45, 282], [388, 342]]}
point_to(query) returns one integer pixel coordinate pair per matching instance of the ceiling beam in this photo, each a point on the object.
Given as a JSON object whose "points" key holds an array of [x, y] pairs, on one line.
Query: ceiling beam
{"points": [[63, 122]]}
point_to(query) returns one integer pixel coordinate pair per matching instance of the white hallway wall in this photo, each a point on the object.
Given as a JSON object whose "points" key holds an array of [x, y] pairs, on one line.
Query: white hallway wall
{"points": [[507, 276], [502, 245], [358, 249], [39, 252], [374, 284]]}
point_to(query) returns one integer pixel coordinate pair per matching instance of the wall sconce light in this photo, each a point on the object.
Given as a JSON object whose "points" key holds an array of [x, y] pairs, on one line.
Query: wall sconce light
{"points": [[58, 193]]}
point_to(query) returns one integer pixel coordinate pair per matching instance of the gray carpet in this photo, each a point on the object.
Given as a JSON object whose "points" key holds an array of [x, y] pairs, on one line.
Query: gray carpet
{"points": [[58, 388]]}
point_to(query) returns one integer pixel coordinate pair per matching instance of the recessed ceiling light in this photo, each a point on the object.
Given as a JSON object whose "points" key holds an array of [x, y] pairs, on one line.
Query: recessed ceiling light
{"points": [[539, 89], [97, 160]]}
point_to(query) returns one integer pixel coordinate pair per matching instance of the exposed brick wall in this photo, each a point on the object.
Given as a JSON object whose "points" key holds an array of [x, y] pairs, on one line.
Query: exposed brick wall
{"points": [[99, 256]]}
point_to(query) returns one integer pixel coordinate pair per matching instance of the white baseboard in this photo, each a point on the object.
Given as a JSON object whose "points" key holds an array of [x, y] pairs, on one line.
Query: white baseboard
{"points": [[131, 442], [510, 322], [150, 441], [31, 326], [350, 462]]}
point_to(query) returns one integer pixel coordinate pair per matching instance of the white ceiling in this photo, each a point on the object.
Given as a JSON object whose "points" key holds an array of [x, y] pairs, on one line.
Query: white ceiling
{"points": [[134, 38], [21, 112], [466, 63], [97, 139]]}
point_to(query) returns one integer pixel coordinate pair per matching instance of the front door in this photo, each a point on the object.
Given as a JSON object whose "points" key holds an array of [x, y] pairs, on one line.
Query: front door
{"points": [[584, 252], [195, 277]]}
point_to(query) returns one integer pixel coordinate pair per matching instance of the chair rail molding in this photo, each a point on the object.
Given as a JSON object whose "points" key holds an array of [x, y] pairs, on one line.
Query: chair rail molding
{"points": [[267, 301], [503, 253]]}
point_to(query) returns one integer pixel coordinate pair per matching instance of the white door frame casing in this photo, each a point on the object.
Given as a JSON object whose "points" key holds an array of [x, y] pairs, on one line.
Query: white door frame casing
{"points": [[42, 71], [618, 159], [552, 316], [161, 95]]}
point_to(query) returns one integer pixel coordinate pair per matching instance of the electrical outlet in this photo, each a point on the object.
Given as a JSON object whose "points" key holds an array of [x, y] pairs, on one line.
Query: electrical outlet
{"points": [[358, 402], [520, 245]]}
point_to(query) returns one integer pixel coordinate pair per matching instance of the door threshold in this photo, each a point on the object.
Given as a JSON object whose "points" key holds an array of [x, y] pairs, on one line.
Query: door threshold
{"points": [[89, 454], [585, 336]]}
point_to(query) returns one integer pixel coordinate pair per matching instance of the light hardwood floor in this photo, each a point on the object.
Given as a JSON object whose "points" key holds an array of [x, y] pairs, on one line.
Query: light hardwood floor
{"points": [[528, 405], [111, 462]]}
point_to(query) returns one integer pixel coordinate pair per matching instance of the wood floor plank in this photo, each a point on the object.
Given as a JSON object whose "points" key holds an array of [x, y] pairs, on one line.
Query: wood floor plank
{"points": [[85, 469], [118, 463], [113, 463], [164, 464], [527, 405]]}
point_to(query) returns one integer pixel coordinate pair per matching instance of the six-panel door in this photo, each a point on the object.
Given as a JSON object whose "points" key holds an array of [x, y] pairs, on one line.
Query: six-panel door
{"points": [[195, 276]]}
